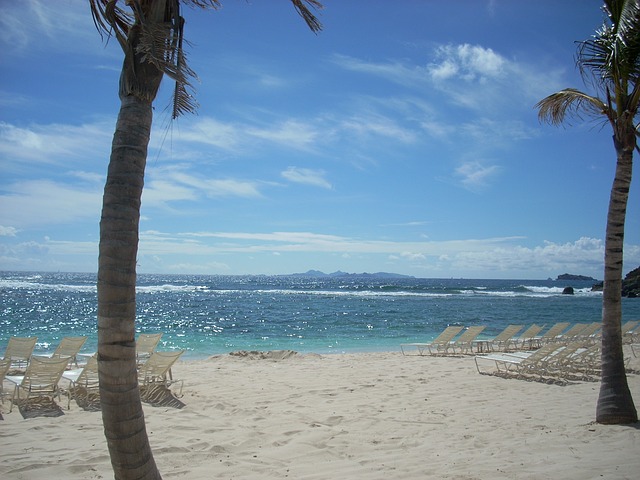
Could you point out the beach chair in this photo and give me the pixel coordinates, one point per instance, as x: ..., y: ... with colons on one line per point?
x: 520, y: 363
x: 40, y: 379
x: 155, y: 373
x: 590, y: 332
x: 465, y: 341
x: 69, y: 347
x: 501, y: 341
x: 5, y: 363
x: 83, y: 385
x: 441, y: 343
x: 552, y: 334
x: 630, y: 331
x: 526, y: 338
x: 20, y: 349
x: 572, y: 334
x: 145, y: 345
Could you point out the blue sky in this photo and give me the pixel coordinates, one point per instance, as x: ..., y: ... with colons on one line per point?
x: 402, y: 138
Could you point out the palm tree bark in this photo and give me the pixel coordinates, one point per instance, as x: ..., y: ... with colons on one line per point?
x: 122, y: 414
x: 615, y: 403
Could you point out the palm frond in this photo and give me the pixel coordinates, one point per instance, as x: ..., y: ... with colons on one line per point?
x: 311, y: 20
x: 569, y: 102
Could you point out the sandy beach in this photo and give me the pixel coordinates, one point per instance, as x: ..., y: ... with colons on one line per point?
x: 352, y: 416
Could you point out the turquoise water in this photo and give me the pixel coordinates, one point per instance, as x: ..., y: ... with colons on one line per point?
x: 208, y: 315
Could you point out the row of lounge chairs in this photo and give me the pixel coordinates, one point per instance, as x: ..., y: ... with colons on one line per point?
x: 44, y: 374
x: 514, y: 337
x: 558, y: 362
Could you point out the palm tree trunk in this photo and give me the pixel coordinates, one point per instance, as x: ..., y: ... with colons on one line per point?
x: 122, y: 413
x: 615, y: 403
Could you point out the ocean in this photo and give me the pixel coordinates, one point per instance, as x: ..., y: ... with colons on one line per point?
x: 207, y: 315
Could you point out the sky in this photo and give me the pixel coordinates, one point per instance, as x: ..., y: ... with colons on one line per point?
x: 401, y: 138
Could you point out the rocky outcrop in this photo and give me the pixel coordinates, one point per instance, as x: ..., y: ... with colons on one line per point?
x: 630, y: 284
x: 568, y: 291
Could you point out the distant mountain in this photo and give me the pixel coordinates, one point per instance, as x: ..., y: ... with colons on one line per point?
x: 340, y: 274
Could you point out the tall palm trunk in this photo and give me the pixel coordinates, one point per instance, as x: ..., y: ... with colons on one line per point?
x: 122, y: 413
x: 615, y: 403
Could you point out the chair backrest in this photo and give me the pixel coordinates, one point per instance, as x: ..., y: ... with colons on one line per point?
x: 147, y: 343
x: 69, y: 347
x: 508, y: 333
x: 5, y: 363
x: 470, y: 334
x: 43, y: 374
x: 158, y: 365
x: 88, y: 378
x: 629, y: 326
x: 530, y: 332
x: 20, y: 349
x: 555, y: 330
x: 447, y: 335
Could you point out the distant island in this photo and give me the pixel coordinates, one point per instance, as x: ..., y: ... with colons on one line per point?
x: 568, y: 276
x: 317, y: 273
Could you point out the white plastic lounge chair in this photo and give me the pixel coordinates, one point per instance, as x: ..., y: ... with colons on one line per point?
x: 465, y: 341
x: 504, y: 338
x: 40, y: 380
x: 145, y: 345
x: 83, y: 382
x: 20, y: 349
x: 156, y: 372
x: 441, y: 343
x: 69, y: 347
x: 520, y: 363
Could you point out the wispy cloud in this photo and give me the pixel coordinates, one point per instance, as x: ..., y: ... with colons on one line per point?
x: 306, y: 176
x: 475, y: 174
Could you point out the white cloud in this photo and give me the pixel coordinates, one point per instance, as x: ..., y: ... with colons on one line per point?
x: 306, y: 176
x: 474, y: 174
x: 8, y: 231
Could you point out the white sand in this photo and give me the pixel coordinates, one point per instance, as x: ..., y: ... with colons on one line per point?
x: 356, y: 416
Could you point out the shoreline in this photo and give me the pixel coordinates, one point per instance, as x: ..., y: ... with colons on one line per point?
x: 375, y: 415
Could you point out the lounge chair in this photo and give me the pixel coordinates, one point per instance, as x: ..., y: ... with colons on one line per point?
x: 521, y: 363
x: 5, y: 363
x: 465, y: 341
x: 441, y: 343
x: 526, y: 338
x: 20, y: 349
x: 501, y: 341
x: 572, y: 334
x: 40, y: 379
x: 553, y: 333
x: 83, y: 383
x: 630, y: 331
x: 69, y: 347
x: 155, y: 373
x: 145, y: 345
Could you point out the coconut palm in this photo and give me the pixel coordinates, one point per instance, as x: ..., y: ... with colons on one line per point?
x: 612, y: 58
x: 150, y: 33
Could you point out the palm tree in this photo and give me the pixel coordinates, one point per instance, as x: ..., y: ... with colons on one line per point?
x: 612, y: 56
x: 150, y: 32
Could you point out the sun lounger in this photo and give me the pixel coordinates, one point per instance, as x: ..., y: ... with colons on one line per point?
x: 69, y: 347
x: 519, y: 363
x: 146, y: 344
x: 440, y: 344
x: 20, y: 349
x: 526, y: 339
x: 156, y: 373
x: 552, y: 334
x: 501, y: 341
x: 40, y: 379
x: 466, y: 340
x: 5, y: 363
x: 83, y: 384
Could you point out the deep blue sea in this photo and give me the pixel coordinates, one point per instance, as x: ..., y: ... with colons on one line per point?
x: 208, y: 315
